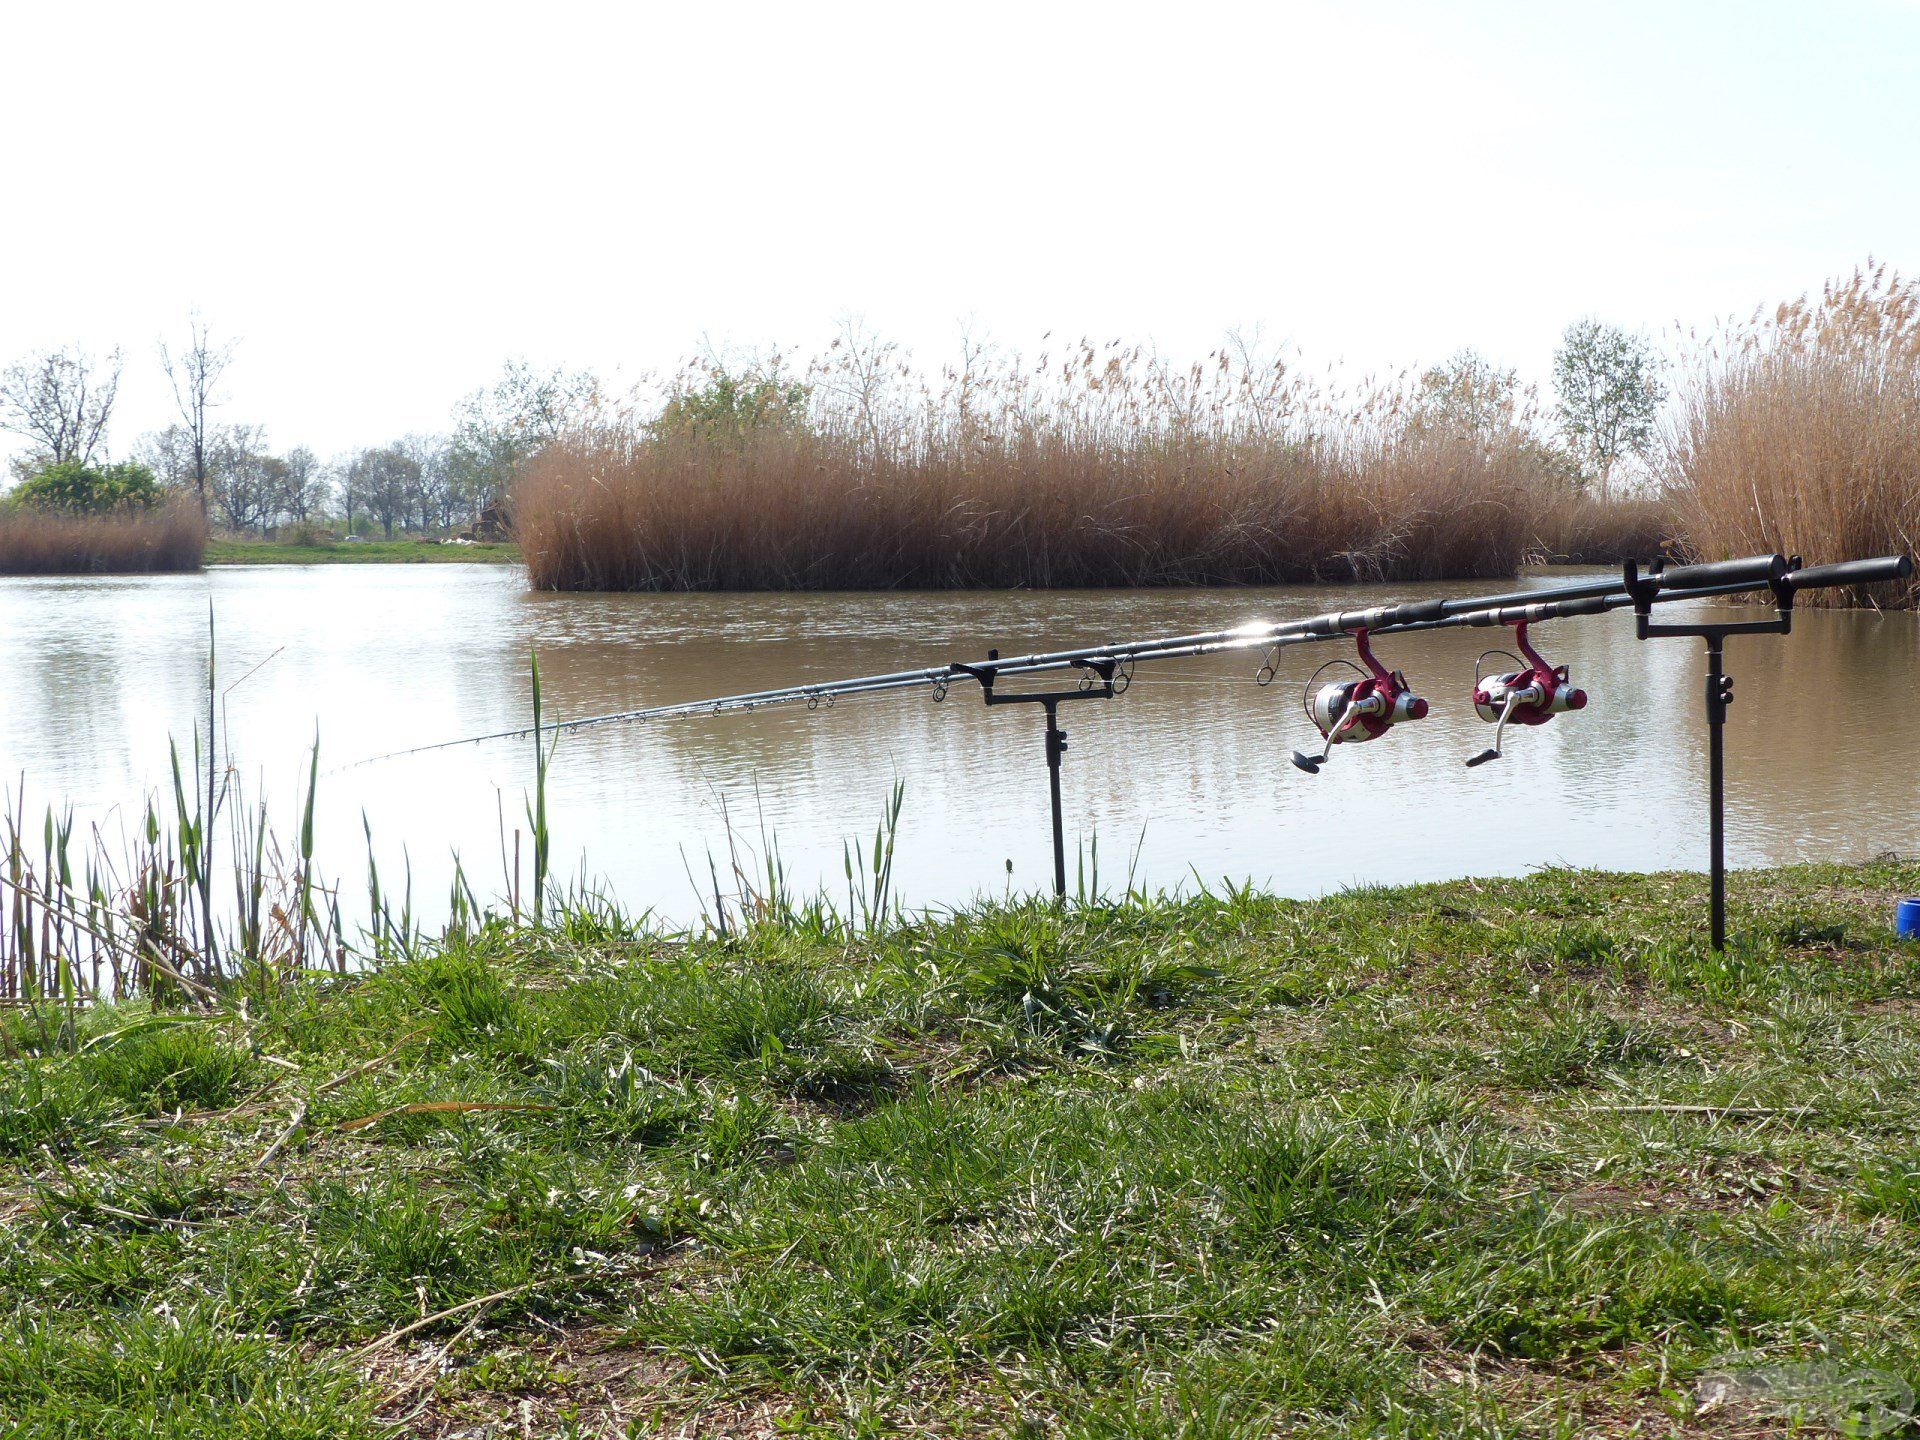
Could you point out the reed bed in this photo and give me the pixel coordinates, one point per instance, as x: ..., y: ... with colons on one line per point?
x: 35, y: 542
x: 1574, y: 528
x: 1800, y: 431
x: 1107, y: 469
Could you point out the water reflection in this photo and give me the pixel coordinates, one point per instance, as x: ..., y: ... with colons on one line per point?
x: 1188, y: 768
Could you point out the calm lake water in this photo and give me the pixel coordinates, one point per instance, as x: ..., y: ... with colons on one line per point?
x: 1184, y: 776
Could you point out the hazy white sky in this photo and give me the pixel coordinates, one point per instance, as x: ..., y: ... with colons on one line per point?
x: 382, y: 201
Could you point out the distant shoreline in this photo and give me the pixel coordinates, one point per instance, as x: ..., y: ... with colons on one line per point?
x: 357, y: 552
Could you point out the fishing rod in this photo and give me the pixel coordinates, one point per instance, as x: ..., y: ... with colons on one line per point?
x: 1684, y: 582
x: 1342, y: 710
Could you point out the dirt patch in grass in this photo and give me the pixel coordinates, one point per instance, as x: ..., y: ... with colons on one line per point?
x: 488, y: 1384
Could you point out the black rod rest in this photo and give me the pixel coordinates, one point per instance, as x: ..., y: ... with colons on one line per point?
x: 1101, y: 674
x: 1785, y: 577
x: 1719, y: 693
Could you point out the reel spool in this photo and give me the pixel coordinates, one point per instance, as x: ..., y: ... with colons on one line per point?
x: 1363, y: 708
x: 1530, y: 695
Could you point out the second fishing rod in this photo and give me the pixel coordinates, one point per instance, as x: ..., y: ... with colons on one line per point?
x: 1113, y: 662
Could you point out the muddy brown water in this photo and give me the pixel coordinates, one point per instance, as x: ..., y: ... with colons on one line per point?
x: 1182, y: 779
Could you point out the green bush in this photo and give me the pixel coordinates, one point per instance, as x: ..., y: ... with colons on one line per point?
x: 78, y: 488
x: 731, y: 406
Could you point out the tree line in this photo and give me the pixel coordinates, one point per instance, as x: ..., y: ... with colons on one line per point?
x: 1607, y: 394
x: 61, y: 402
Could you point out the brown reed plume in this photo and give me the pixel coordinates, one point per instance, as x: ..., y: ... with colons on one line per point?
x: 1105, y: 467
x: 1800, y: 431
x: 36, y: 542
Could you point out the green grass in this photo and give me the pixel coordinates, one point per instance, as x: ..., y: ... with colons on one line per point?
x: 358, y: 552
x: 1496, y: 1158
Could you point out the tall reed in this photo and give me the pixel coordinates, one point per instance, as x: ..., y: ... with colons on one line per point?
x: 1800, y: 431
x: 1106, y: 467
x: 1575, y: 528
x: 157, y: 913
x: 103, y: 920
x: 34, y: 542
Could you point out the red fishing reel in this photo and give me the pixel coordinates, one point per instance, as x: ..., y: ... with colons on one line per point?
x: 1363, y: 708
x: 1530, y: 695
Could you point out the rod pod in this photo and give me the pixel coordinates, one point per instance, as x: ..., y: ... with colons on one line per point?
x: 1785, y: 577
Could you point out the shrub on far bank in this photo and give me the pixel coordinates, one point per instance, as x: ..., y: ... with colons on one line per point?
x: 74, y: 518
x: 74, y: 487
x: 1801, y: 432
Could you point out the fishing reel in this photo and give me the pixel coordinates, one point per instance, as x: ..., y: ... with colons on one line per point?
x: 1360, y: 709
x: 1530, y: 695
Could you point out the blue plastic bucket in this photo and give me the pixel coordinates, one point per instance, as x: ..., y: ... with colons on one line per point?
x: 1906, y: 919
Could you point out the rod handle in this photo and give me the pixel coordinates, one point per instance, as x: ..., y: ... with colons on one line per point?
x: 1753, y: 569
x: 1851, y: 572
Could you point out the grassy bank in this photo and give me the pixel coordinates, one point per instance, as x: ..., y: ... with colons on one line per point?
x: 1488, y: 1158
x: 33, y: 542
x: 230, y: 551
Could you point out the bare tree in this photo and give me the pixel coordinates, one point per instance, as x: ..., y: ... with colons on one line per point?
x: 169, y: 454
x: 386, y: 480
x: 432, y: 489
x: 245, y: 479
x: 351, y: 480
x: 306, y: 485
x: 61, y: 400
x: 858, y: 376
x: 194, y: 373
x: 1470, y: 395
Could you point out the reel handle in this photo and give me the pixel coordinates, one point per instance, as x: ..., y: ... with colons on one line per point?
x: 1312, y: 763
x: 1493, y: 752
